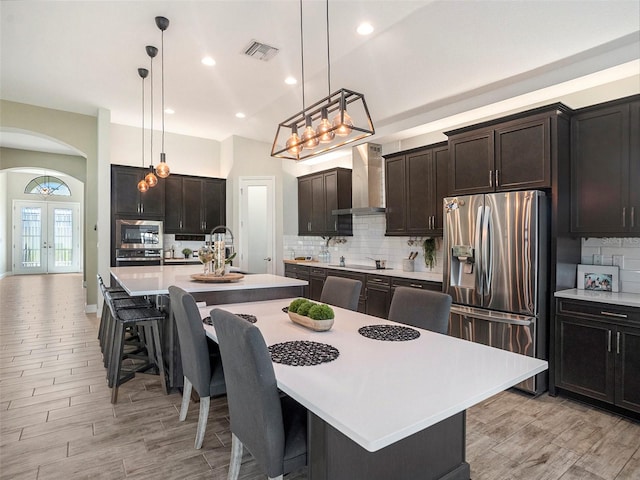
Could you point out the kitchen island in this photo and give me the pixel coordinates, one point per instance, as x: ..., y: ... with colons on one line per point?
x: 154, y: 281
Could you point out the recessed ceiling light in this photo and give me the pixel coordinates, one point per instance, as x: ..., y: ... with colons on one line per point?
x: 290, y: 81
x: 208, y: 61
x: 365, y: 28
x: 240, y: 115
x: 169, y: 111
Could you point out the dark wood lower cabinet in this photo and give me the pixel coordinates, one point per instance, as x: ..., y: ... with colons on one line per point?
x: 317, y: 277
x: 598, y: 352
x: 378, y: 296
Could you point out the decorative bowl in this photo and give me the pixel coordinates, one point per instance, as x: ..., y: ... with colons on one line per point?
x: 316, y: 325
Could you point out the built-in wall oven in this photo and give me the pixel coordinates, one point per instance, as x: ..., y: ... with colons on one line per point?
x: 138, y: 242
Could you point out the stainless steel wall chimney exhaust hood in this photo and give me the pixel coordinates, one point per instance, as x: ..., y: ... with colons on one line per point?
x: 368, y: 185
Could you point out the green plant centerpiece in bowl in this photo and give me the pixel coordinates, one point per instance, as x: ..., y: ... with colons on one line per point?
x: 316, y: 316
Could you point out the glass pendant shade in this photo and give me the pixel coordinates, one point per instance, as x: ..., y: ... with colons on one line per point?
x: 324, y: 132
x: 294, y: 144
x: 309, y: 137
x: 162, y: 169
x: 142, y: 186
x: 151, y: 178
x: 343, y: 126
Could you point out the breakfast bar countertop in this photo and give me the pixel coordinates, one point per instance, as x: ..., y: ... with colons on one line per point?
x: 155, y: 280
x: 614, y: 298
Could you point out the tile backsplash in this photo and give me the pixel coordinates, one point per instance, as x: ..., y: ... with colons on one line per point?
x: 368, y: 242
x: 624, y: 252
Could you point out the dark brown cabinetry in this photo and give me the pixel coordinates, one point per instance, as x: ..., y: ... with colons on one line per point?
x: 605, y: 169
x: 317, y: 276
x: 301, y: 272
x: 378, y: 295
x: 127, y: 201
x: 598, y: 352
x: 415, y: 185
x: 514, y: 153
x: 318, y: 195
x: 194, y: 204
x: 422, y: 284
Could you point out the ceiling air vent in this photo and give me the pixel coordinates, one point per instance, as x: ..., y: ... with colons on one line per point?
x: 261, y: 51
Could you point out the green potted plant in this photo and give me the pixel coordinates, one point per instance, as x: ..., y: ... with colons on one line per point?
x: 429, y: 250
x: 316, y: 316
x: 187, y: 252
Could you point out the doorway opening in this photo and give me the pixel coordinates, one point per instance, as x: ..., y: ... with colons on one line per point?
x: 257, y: 224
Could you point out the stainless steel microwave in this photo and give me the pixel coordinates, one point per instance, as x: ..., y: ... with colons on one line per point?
x: 139, y: 234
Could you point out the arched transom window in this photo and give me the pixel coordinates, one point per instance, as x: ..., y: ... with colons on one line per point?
x: 46, y: 186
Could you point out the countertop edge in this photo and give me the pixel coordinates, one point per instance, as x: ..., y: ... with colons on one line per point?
x: 613, y: 298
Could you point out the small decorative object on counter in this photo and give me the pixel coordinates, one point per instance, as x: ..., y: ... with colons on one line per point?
x: 429, y: 248
x: 187, y: 252
x: 205, y: 255
x: 342, y: 264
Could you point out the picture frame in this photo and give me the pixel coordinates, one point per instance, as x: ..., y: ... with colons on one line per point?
x: 598, y: 278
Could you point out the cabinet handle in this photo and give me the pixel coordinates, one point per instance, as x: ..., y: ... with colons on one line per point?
x: 611, y: 314
x: 618, y: 343
x: 335, y: 225
x: 633, y: 217
x: 490, y: 178
x: 308, y: 226
x: 180, y: 224
x: 497, y: 178
x: 624, y: 217
x: 608, y: 340
x: 376, y: 280
x: 415, y: 285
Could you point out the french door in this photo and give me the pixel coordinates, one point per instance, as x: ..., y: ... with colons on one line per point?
x: 46, y: 237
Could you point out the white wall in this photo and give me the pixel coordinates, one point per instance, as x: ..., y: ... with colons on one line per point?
x: 4, y: 242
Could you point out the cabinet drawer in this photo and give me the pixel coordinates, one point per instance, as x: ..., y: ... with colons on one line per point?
x: 423, y: 284
x: 318, y: 272
x: 602, y: 311
x: 379, y: 280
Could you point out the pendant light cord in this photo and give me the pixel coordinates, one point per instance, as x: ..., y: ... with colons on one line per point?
x: 328, y: 58
x: 151, y: 110
x: 302, y: 56
x: 162, y: 79
x: 143, y: 165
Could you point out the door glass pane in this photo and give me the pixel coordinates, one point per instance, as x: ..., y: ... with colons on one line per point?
x: 63, y: 237
x: 31, y: 236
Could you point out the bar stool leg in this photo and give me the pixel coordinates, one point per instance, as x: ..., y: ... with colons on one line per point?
x: 115, y: 364
x: 158, y: 355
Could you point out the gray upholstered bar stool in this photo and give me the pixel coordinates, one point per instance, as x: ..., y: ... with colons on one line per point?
x: 341, y: 292
x: 421, y: 308
x: 272, y: 427
x: 145, y: 359
x: 201, y: 363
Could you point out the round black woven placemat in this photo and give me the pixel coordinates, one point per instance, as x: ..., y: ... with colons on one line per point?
x: 302, y: 353
x: 249, y: 318
x: 389, y: 333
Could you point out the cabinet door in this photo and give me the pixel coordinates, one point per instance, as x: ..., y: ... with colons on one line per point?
x: 441, y: 177
x: 420, y: 194
x: 627, y: 368
x: 634, y: 168
x: 173, y: 204
x: 523, y: 155
x: 214, y: 203
x: 318, y: 210
x: 125, y: 197
x: 471, y: 163
x: 395, y: 195
x: 330, y: 203
x: 305, y: 200
x: 585, y: 359
x: 315, y: 287
x: 600, y: 170
x: 192, y: 199
x: 152, y: 201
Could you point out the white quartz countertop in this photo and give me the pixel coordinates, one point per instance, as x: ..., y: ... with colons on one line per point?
x: 181, y: 260
x: 389, y: 272
x: 155, y: 280
x: 614, y: 298
x: 379, y: 392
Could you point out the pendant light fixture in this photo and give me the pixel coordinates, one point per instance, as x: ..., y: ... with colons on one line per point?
x: 162, y: 170
x: 151, y: 178
x: 142, y: 184
x: 342, y: 130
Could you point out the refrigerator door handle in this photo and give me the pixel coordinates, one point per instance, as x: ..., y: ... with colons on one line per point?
x: 487, y: 268
x: 478, y: 243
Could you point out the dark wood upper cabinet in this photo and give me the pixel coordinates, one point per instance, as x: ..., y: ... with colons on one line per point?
x: 194, y: 205
x: 127, y: 201
x: 605, y: 169
x: 513, y: 153
x: 416, y: 182
x: 319, y: 194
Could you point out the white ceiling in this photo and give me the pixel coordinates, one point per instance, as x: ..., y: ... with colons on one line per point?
x: 426, y: 60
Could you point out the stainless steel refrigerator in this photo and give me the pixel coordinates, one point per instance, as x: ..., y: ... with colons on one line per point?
x: 495, y: 269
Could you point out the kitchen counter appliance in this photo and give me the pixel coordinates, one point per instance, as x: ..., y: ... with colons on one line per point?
x: 138, y: 242
x: 496, y: 272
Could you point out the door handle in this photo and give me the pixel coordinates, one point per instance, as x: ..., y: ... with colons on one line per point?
x: 268, y: 259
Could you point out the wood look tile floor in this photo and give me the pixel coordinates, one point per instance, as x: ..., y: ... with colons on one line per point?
x: 57, y: 422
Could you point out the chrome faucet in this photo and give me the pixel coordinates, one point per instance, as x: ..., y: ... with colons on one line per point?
x: 225, y: 228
